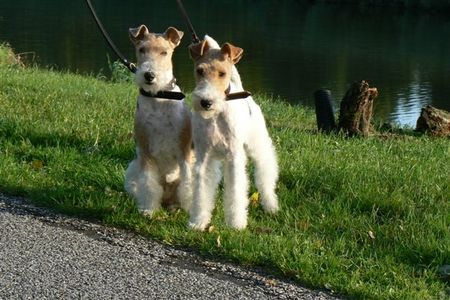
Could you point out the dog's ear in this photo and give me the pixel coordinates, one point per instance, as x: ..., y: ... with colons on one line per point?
x: 235, y: 53
x: 137, y: 34
x: 198, y: 49
x: 174, y: 35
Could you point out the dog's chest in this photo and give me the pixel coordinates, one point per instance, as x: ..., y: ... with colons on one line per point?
x: 160, y: 123
x: 218, y: 134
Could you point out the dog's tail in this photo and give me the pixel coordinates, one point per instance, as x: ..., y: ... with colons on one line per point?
x: 236, y: 79
x: 211, y: 42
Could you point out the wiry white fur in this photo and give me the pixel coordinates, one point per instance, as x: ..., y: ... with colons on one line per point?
x: 226, y: 134
x: 162, y: 76
x: 163, y: 121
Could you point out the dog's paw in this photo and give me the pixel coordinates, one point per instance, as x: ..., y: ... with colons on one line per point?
x: 238, y: 224
x: 270, y: 204
x: 271, y: 208
x: 146, y: 212
x: 200, y: 225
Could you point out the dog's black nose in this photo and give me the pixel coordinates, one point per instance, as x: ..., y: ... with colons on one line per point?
x: 206, y: 104
x: 149, y: 76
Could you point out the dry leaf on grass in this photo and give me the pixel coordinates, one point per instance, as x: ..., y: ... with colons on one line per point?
x: 254, y: 199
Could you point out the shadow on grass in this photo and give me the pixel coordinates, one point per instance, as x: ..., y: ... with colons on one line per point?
x: 121, y: 149
x: 88, y: 204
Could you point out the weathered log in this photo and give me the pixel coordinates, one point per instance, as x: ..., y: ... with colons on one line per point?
x: 434, y: 121
x: 356, y: 109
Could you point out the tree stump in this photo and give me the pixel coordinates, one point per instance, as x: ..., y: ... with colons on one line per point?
x: 356, y: 109
x: 434, y: 121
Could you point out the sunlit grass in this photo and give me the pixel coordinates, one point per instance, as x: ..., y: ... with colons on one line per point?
x: 368, y: 218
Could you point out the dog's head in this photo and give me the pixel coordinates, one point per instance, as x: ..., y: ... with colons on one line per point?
x: 213, y: 71
x: 154, y: 56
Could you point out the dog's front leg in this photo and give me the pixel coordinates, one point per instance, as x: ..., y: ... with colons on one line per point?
x: 184, y: 191
x: 236, y: 187
x: 150, y: 191
x: 206, y: 177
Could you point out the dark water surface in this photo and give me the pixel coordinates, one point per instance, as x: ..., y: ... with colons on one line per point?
x: 291, y: 48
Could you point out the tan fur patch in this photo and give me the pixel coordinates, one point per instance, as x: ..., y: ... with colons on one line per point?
x: 169, y: 199
x: 215, y: 67
x: 142, y: 142
x: 157, y: 48
x: 186, y: 139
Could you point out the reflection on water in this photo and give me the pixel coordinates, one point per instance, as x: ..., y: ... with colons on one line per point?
x: 291, y: 48
x: 410, y: 102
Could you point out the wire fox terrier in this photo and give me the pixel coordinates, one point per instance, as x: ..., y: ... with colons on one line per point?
x: 161, y: 171
x: 223, y: 132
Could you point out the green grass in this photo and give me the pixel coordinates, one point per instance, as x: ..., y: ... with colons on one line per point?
x: 366, y: 218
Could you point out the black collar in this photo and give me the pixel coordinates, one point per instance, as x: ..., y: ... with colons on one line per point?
x: 165, y: 94
x: 237, y: 95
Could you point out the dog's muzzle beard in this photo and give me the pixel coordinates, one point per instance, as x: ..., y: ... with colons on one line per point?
x: 207, y: 104
x: 207, y: 100
x: 152, y: 79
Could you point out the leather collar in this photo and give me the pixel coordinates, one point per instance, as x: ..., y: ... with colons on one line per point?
x: 165, y: 94
x: 237, y: 95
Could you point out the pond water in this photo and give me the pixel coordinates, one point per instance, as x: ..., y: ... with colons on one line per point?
x: 291, y: 48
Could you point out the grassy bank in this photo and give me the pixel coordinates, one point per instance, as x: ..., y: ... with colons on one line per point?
x: 368, y: 218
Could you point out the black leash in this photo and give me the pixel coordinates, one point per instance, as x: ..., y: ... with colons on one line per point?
x: 195, y: 40
x: 194, y: 36
x: 122, y: 58
x: 161, y: 94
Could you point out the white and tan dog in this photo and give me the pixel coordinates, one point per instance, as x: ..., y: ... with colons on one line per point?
x: 161, y: 172
x: 224, y: 132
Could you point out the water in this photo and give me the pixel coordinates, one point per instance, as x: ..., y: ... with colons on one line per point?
x: 290, y: 48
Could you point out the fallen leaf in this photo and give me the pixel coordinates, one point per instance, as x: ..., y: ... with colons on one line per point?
x: 254, y: 199
x: 372, y: 235
x: 211, y: 228
x: 219, y: 244
x: 271, y: 282
x: 37, y: 164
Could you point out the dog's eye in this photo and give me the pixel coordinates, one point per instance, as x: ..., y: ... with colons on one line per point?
x: 222, y: 74
x: 200, y: 72
x: 142, y: 50
x: 163, y: 53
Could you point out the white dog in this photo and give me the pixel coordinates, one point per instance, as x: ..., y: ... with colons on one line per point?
x: 161, y: 172
x: 223, y: 131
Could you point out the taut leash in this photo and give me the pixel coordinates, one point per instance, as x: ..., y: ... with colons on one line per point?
x: 195, y: 40
x: 194, y: 36
x: 122, y: 58
x: 132, y: 67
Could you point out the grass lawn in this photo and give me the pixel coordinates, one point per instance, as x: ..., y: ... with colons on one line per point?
x: 365, y: 218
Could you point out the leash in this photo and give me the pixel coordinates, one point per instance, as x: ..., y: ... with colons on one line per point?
x: 195, y: 40
x: 122, y: 58
x: 194, y: 36
x: 132, y: 67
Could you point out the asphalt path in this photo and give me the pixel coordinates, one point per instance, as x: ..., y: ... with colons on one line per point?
x: 44, y: 255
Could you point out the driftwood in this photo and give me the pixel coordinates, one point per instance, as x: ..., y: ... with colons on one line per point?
x: 356, y: 109
x: 434, y: 121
